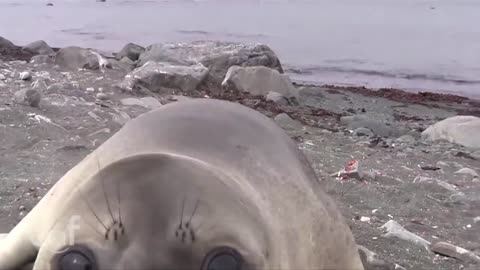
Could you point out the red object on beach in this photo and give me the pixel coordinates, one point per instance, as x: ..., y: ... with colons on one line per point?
x: 350, y: 165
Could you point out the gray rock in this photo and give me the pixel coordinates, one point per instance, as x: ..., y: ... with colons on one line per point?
x: 258, y: 81
x: 2, y: 77
x: 39, y: 47
x: 467, y: 171
x: 461, y: 129
x: 164, y: 77
x: 25, y: 75
x: 76, y: 57
x: 377, y: 127
x: 453, y: 251
x: 284, y: 121
x: 28, y: 97
x: 126, y: 60
x: 102, y: 96
x: 120, y: 118
x: 217, y: 56
x: 130, y: 51
x: 121, y: 65
x: 363, y: 132
x: 277, y: 98
x: 371, y: 260
x: 146, y: 102
x: 443, y: 184
x: 5, y: 43
x: 43, y: 59
x: 395, y: 230
x: 407, y: 139
x: 3, y: 85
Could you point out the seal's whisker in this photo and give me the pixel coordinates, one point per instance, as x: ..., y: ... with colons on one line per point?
x: 181, y: 214
x: 193, y: 214
x: 91, y: 209
x: 119, y: 208
x: 103, y: 189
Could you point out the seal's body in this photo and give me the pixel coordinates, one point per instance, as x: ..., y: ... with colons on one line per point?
x: 195, y: 184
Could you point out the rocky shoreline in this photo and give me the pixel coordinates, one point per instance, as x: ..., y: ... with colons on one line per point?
x: 402, y: 166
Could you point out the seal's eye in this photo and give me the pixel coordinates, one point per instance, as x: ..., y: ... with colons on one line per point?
x: 223, y: 258
x: 76, y: 258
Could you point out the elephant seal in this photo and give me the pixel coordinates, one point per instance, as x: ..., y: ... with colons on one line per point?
x: 198, y: 184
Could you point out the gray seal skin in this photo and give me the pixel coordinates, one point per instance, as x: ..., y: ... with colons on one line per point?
x: 195, y: 184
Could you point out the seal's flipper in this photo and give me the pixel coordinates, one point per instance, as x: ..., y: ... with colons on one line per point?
x: 16, y: 252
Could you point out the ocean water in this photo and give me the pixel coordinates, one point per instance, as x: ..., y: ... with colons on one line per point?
x: 412, y: 44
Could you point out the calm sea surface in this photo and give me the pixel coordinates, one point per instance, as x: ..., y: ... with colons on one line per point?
x: 413, y: 44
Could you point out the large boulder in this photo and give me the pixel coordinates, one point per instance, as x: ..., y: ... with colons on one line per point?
x: 164, y: 77
x: 75, y: 57
x: 461, y: 129
x: 131, y: 51
x: 39, y: 47
x: 217, y: 56
x: 258, y: 81
x: 5, y: 43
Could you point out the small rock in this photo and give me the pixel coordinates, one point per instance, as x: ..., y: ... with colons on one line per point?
x: 27, y: 96
x: 277, y: 98
x: 2, y: 85
x: 456, y: 252
x: 49, y: 4
x: 22, y: 208
x: 2, y: 77
x: 476, y: 219
x: 102, y: 96
x: 408, y: 139
x: 25, y: 76
x: 121, y: 118
x: 370, y: 260
x: 286, y: 122
x: 361, y: 131
x: 468, y: 171
x: 395, y: 230
x: 90, y: 89
x: 42, y: 59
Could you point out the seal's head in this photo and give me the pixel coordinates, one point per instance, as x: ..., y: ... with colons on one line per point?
x: 158, y: 211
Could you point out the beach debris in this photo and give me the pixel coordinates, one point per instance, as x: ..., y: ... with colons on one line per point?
x: 350, y: 170
x: 41, y: 118
x: 25, y: 76
x: 429, y: 167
